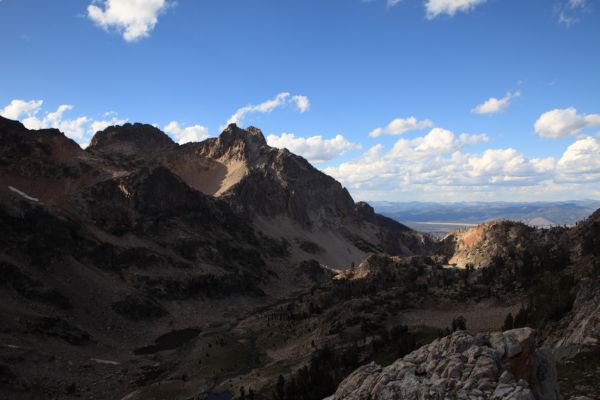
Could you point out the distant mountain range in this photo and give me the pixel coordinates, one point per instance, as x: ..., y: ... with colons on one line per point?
x: 439, y: 218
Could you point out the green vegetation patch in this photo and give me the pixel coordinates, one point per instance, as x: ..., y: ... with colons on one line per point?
x: 219, y: 356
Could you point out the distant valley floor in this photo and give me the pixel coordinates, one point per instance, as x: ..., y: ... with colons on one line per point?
x: 442, y: 218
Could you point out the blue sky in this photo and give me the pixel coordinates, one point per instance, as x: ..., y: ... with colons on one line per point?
x: 517, y: 79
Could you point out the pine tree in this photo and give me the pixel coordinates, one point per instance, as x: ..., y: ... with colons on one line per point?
x: 279, y: 389
x: 459, y: 324
x: 522, y: 318
x: 509, y: 323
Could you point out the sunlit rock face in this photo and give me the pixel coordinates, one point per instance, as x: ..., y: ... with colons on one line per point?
x: 501, y: 365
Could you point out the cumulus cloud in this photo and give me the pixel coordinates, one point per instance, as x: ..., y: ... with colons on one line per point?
x: 100, y: 125
x: 434, y: 8
x: 543, y: 165
x: 466, y: 139
x: 134, y: 19
x: 580, y: 162
x: 429, y: 158
x: 283, y: 99
x: 315, y: 149
x: 564, y: 122
x: 80, y: 128
x: 401, y: 125
x: 494, y: 105
x: 193, y: 133
x: 74, y: 128
x: 16, y: 108
x: 302, y: 102
x: 437, y: 142
x: 438, y: 166
x: 498, y: 164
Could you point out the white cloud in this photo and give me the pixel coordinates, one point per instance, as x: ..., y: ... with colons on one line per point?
x: 423, y: 159
x: 400, y: 126
x: 435, y: 8
x: 302, y: 102
x: 73, y: 128
x: 315, y: 149
x: 497, y: 164
x: 193, y: 133
x: 392, y: 3
x: 16, y: 108
x: 543, y: 165
x: 559, y: 123
x: 97, y: 126
x: 283, y: 99
x: 494, y: 105
x: 79, y: 129
x: 581, y: 161
x: 135, y: 19
x: 437, y: 142
x: 436, y: 167
x: 466, y: 139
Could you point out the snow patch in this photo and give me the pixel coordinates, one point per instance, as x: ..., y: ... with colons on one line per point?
x: 100, y: 361
x: 23, y: 194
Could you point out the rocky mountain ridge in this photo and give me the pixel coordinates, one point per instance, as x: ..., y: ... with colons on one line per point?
x: 112, y: 246
x: 228, y: 262
x: 130, y: 140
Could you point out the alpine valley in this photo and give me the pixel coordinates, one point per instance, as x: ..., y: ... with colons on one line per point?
x: 143, y: 269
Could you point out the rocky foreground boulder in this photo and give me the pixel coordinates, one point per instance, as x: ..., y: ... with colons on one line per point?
x: 500, y: 365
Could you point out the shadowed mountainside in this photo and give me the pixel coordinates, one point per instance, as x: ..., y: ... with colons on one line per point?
x: 150, y: 270
x: 111, y: 246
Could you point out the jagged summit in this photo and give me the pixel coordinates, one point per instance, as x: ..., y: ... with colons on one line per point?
x: 130, y: 139
x: 281, y: 193
x: 249, y: 135
x: 235, y: 143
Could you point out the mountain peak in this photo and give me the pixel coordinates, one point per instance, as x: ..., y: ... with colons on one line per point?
x: 130, y: 139
x: 233, y: 133
x: 235, y: 143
